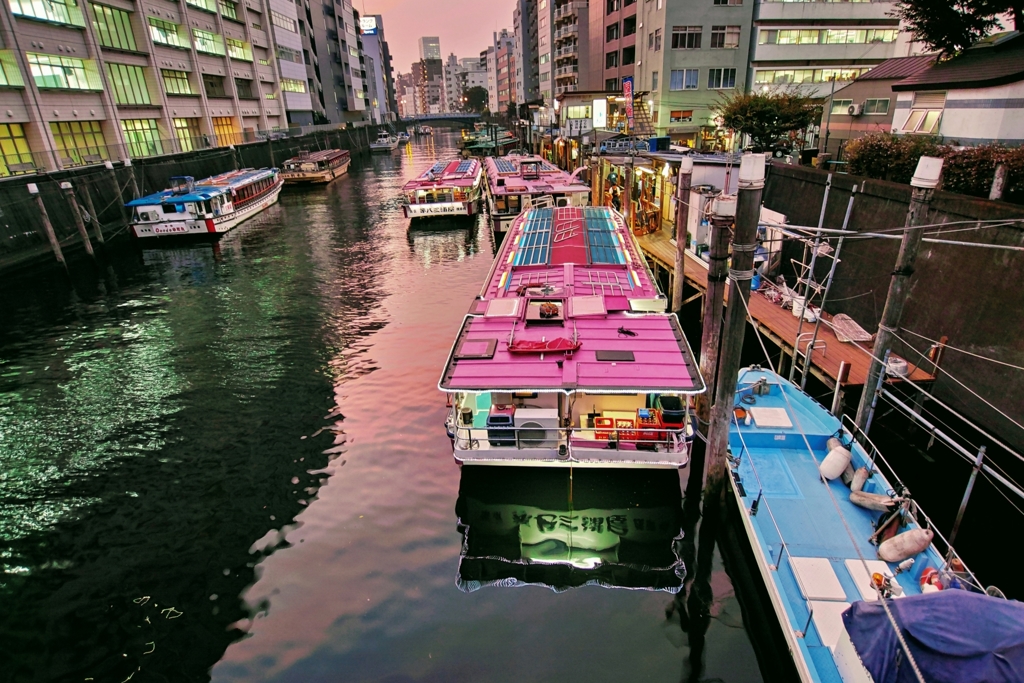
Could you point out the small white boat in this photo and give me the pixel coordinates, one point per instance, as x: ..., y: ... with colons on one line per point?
x: 403, y: 136
x: 316, y: 167
x: 208, y: 207
x: 451, y: 187
x: 386, y: 142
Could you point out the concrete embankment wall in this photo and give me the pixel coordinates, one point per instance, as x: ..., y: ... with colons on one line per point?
x: 22, y: 237
x: 972, y: 295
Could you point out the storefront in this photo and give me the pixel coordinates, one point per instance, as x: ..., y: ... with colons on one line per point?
x: 632, y: 186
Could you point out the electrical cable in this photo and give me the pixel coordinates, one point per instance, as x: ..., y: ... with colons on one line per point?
x: 967, y: 353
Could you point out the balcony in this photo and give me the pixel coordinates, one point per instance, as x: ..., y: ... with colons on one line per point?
x: 569, y: 51
x: 566, y: 32
x: 570, y: 9
x: 567, y: 72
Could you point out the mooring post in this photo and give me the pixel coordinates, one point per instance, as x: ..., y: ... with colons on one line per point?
x: 682, y: 218
x: 748, y: 211
x: 97, y: 229
x: 924, y: 182
x: 33, y: 190
x: 117, y: 187
x: 837, y: 395
x: 135, y: 186
x: 69, y: 192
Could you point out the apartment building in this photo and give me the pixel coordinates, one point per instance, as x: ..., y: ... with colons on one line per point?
x: 688, y: 56
x: 811, y: 44
x: 429, y: 84
x: 380, y: 87
x: 331, y: 52
x: 505, y: 65
x: 405, y: 90
x: 545, y: 46
x: 612, y: 30
x: 527, y: 59
x: 459, y: 76
x: 86, y: 82
x: 570, y: 23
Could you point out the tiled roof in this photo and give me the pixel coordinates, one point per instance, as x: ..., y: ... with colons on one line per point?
x: 898, y: 68
x: 983, y: 66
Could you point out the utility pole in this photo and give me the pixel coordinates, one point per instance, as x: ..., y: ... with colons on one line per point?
x: 682, y: 218
x: 924, y: 182
x: 748, y: 210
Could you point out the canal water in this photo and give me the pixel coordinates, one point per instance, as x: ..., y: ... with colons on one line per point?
x: 228, y: 461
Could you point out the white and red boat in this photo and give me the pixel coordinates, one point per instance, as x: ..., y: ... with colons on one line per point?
x: 516, y: 183
x: 451, y: 187
x: 208, y: 207
x: 568, y: 357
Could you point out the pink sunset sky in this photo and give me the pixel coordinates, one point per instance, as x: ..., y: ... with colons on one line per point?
x: 465, y: 27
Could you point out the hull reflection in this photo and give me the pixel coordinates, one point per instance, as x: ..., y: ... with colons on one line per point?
x: 563, y: 529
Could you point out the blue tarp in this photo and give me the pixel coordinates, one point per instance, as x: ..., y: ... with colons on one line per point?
x: 956, y: 636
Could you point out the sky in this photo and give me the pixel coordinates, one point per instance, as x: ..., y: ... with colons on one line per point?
x: 465, y: 27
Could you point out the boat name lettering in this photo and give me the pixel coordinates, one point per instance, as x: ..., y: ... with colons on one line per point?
x: 433, y: 209
x: 780, y: 437
x: 547, y: 522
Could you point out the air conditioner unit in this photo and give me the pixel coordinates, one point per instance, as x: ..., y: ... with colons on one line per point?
x: 563, y: 201
x: 855, y: 109
x: 537, y: 427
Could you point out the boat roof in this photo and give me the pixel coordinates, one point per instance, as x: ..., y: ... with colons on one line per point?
x: 447, y: 173
x: 584, y: 261
x: 505, y: 176
x: 320, y: 155
x: 207, y: 188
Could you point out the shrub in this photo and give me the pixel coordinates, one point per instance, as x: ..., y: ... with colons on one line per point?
x: 889, y: 157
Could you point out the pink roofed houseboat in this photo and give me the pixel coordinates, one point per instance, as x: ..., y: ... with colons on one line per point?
x: 448, y: 188
x: 516, y: 183
x: 567, y: 356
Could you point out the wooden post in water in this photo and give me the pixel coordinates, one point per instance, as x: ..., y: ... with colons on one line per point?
x: 33, y: 190
x: 97, y: 229
x: 682, y: 218
x: 924, y: 182
x: 135, y: 186
x: 748, y: 210
x: 69, y: 192
x: 117, y: 188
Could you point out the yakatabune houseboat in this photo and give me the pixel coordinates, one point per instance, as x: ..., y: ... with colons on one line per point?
x: 316, y: 167
x: 516, y: 183
x: 448, y: 188
x: 208, y: 207
x: 567, y: 355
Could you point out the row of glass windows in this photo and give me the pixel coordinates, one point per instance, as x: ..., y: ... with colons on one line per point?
x: 871, y: 106
x: 689, y: 79
x: 51, y: 71
x: 57, y: 11
x: 691, y: 38
x: 783, y: 76
x: 828, y: 36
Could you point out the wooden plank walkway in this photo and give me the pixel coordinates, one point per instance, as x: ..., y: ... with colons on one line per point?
x: 776, y: 323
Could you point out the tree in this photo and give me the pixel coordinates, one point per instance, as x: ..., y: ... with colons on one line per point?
x: 476, y: 98
x: 951, y: 27
x: 766, y: 116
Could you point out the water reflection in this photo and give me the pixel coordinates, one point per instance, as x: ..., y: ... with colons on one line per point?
x: 564, y: 528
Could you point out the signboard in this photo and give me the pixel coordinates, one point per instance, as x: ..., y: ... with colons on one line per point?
x: 600, y: 113
x: 442, y: 209
x: 627, y: 94
x: 368, y: 26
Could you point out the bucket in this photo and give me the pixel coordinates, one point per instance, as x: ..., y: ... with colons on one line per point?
x: 798, y: 306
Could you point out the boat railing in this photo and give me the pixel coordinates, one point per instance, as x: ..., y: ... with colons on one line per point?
x: 665, y: 439
x: 472, y: 438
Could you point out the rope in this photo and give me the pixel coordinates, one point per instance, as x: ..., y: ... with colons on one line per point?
x: 842, y: 518
x: 966, y: 353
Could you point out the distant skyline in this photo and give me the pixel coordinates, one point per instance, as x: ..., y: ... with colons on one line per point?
x: 465, y: 27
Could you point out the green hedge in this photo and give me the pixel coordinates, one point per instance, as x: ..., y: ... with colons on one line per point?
x: 967, y: 170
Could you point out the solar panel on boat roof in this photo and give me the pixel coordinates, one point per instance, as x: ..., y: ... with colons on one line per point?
x: 438, y: 167
x: 505, y: 166
x: 464, y: 166
x: 601, y: 241
x: 534, y: 245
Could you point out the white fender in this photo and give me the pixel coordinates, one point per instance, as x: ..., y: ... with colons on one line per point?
x: 860, y: 477
x: 836, y: 461
x: 907, y: 544
x: 871, y: 501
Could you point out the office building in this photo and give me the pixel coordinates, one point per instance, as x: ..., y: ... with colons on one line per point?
x: 527, y: 59
x: 687, y: 57
x: 331, y: 51
x: 430, y: 47
x: 380, y: 86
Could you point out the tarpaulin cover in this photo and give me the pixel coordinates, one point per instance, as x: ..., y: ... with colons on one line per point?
x: 955, y: 636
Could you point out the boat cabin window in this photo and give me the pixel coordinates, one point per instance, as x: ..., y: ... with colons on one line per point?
x: 499, y: 203
x: 513, y: 203
x: 530, y: 170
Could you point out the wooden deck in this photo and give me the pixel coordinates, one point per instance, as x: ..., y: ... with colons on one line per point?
x: 776, y: 323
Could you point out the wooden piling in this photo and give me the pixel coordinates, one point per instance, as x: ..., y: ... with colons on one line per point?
x: 33, y: 190
x: 97, y: 229
x: 69, y: 192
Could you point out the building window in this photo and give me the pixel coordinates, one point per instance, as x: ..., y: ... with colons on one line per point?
x: 282, y: 21
x: 176, y: 82
x: 129, y: 83
x: 239, y: 50
x: 165, y: 33
x: 51, y: 71
x: 611, y: 6
x: 243, y: 87
x: 228, y: 9
x: 628, y: 55
x: 784, y: 76
x: 142, y: 137
x: 876, y: 106
x: 721, y: 79
x: 256, y: 25
x: 680, y: 116
x: 728, y: 2
x: 840, y: 106
x: 113, y: 28
x: 611, y: 85
x: 264, y: 62
x: 273, y: 95
x: 78, y: 142
x: 214, y: 86
x: 611, y: 60
x: 612, y: 32
x: 683, y: 79
x: 289, y: 55
x: 292, y: 85
x: 857, y: 36
x: 629, y: 26
x: 57, y: 11
x: 224, y: 129
x: 188, y: 135
x: 210, y: 43
x: 725, y: 36
x: 657, y: 40
x: 686, y: 37
x: 13, y: 147
x: 654, y: 80
x: 208, y: 5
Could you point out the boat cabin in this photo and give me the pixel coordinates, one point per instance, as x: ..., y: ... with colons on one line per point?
x: 516, y: 183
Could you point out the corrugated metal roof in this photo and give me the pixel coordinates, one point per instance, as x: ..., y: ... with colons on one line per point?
x: 898, y: 68
x: 984, y: 66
